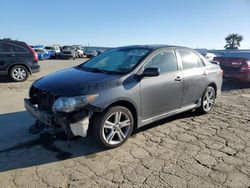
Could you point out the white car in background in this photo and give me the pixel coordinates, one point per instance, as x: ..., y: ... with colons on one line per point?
x: 57, y: 50
x: 210, y: 56
x: 80, y: 51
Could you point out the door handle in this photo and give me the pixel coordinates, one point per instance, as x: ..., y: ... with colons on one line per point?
x: 10, y: 55
x: 205, y: 73
x: 178, y: 78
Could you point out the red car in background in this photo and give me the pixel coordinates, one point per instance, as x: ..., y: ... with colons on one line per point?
x: 235, y: 66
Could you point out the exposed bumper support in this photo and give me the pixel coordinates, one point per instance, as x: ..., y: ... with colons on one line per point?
x: 80, y: 128
x: 77, y: 122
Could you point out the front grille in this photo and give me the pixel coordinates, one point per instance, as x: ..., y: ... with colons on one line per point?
x: 66, y: 52
x: 44, y: 100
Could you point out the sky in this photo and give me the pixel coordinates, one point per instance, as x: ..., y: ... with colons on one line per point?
x: 111, y: 23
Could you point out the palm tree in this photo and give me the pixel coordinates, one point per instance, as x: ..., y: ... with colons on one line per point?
x: 233, y: 41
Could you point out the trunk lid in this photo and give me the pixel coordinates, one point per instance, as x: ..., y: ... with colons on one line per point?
x: 230, y: 64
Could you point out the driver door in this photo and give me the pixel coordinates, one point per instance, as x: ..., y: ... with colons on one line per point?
x: 163, y: 93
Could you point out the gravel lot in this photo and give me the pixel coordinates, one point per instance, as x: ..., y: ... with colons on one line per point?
x: 186, y: 150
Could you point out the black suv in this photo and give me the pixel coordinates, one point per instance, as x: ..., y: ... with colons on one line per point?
x: 17, y: 60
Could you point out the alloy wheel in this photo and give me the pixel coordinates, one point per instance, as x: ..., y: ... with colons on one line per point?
x: 19, y: 73
x: 116, y: 128
x: 208, y: 99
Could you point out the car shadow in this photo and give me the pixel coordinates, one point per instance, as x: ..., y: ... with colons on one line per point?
x: 187, y: 114
x: 6, y: 80
x: 229, y: 85
x: 20, y: 149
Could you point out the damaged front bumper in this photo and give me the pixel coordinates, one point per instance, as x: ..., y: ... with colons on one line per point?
x: 75, y: 122
x: 44, y: 117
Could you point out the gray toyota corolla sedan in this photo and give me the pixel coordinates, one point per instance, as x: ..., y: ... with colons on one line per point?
x: 123, y: 89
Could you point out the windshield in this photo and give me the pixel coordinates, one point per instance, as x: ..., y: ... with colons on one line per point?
x: 120, y: 60
x: 49, y: 48
x: 39, y: 50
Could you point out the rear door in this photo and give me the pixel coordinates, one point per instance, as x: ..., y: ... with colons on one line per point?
x: 6, y: 57
x: 194, y: 77
x: 20, y: 53
x: 163, y: 93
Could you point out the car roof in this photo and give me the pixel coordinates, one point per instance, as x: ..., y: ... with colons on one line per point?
x: 154, y: 46
x: 245, y: 55
x: 16, y: 42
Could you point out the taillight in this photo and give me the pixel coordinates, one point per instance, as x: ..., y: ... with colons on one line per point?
x: 221, y: 71
x: 34, y: 54
x: 245, y: 67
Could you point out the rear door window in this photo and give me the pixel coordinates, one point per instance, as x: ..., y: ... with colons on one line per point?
x: 189, y: 59
x: 18, y: 49
x: 4, y: 48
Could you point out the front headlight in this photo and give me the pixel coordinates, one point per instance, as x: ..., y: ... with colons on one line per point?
x: 69, y: 104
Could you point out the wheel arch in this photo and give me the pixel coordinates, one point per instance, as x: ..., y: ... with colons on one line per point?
x: 129, y: 105
x: 214, y: 86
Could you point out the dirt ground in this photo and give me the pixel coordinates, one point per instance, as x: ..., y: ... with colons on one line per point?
x: 186, y: 150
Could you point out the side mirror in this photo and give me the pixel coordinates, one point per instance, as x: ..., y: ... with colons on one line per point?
x: 151, y: 72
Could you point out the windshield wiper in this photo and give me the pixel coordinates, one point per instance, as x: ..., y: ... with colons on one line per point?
x: 100, y: 70
x: 95, y: 70
x: 85, y: 68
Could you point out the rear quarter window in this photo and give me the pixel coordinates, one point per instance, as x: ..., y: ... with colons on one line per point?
x: 1, y: 47
x: 200, y: 60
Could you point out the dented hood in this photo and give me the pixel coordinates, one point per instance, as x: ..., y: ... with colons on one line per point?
x: 75, y: 81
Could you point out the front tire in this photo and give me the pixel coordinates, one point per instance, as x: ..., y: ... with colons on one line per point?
x: 19, y: 73
x: 112, y: 127
x: 208, y: 100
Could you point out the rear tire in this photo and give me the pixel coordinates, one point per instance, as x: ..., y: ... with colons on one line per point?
x: 208, y: 100
x: 19, y: 73
x: 112, y: 127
